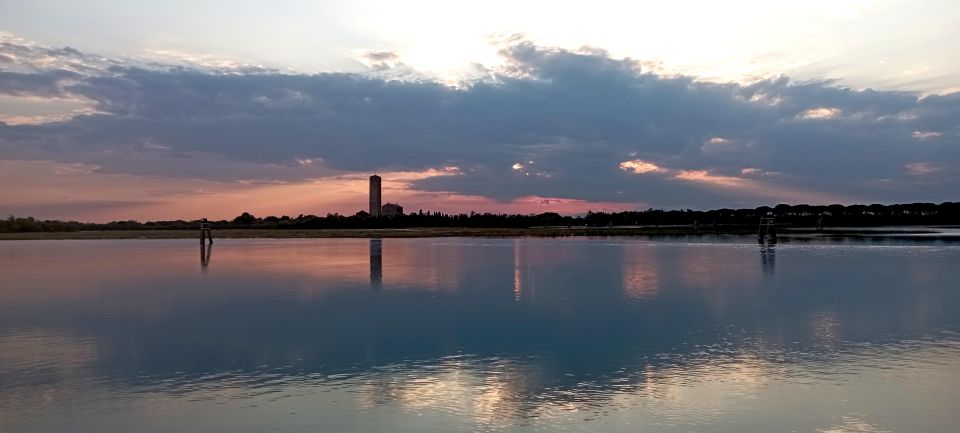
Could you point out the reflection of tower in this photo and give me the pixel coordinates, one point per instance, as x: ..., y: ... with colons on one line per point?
x: 375, y: 195
x: 376, y: 263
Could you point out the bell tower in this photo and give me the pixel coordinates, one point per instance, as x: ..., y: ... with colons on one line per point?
x: 375, y: 195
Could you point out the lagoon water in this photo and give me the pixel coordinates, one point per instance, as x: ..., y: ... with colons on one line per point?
x: 462, y: 335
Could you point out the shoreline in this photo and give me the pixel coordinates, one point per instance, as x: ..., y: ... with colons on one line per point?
x: 917, y: 233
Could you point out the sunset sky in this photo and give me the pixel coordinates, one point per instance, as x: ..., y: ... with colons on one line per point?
x: 115, y: 110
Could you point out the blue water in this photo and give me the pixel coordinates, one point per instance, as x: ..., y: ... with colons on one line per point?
x: 462, y: 335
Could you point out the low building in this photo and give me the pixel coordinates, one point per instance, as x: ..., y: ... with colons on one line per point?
x: 391, y: 209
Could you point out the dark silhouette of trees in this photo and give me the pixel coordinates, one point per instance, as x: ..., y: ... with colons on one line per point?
x: 246, y: 219
x: 800, y: 215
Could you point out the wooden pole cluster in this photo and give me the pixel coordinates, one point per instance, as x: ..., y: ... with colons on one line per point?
x: 205, y: 231
x: 767, y: 230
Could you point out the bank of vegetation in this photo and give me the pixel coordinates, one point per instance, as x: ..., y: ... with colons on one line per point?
x: 726, y: 220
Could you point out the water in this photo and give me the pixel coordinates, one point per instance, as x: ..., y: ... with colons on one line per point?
x: 462, y: 335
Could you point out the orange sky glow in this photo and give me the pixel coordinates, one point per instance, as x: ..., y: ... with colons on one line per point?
x: 79, y: 192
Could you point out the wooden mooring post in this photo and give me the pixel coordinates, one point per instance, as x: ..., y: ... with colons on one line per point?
x: 205, y: 231
x: 767, y: 229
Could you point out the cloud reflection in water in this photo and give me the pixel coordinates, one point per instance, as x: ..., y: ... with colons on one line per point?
x: 479, y: 334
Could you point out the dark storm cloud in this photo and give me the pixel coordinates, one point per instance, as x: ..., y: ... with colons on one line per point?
x: 568, y: 119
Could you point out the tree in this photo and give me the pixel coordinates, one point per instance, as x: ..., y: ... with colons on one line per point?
x: 245, y: 219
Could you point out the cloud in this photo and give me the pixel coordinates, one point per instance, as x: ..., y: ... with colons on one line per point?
x: 573, y: 125
x: 924, y: 135
x: 44, y: 84
x: 389, y: 66
x: 821, y: 113
x: 639, y: 167
x: 167, y: 58
x: 21, y: 55
x: 382, y: 56
x: 923, y: 168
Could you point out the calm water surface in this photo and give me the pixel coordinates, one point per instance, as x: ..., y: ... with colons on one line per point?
x: 462, y: 335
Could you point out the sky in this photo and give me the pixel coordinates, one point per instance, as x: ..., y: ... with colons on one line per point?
x: 117, y: 110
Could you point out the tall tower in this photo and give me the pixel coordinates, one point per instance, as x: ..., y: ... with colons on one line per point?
x: 375, y: 195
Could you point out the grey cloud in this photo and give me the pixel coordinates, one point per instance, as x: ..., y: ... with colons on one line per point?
x: 577, y: 115
x: 381, y: 56
x: 28, y: 57
x: 45, y: 84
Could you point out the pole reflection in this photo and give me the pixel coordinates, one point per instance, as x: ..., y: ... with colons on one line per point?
x: 768, y: 257
x: 205, y: 252
x: 517, y: 273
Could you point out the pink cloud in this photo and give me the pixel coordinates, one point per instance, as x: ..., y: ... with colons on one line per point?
x: 924, y: 135
x: 923, y: 168
x: 739, y: 185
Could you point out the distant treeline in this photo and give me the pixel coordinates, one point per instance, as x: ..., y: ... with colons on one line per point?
x: 786, y: 215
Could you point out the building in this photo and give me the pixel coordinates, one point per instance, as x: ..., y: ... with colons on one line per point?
x: 391, y: 209
x: 375, y: 196
x: 376, y: 210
